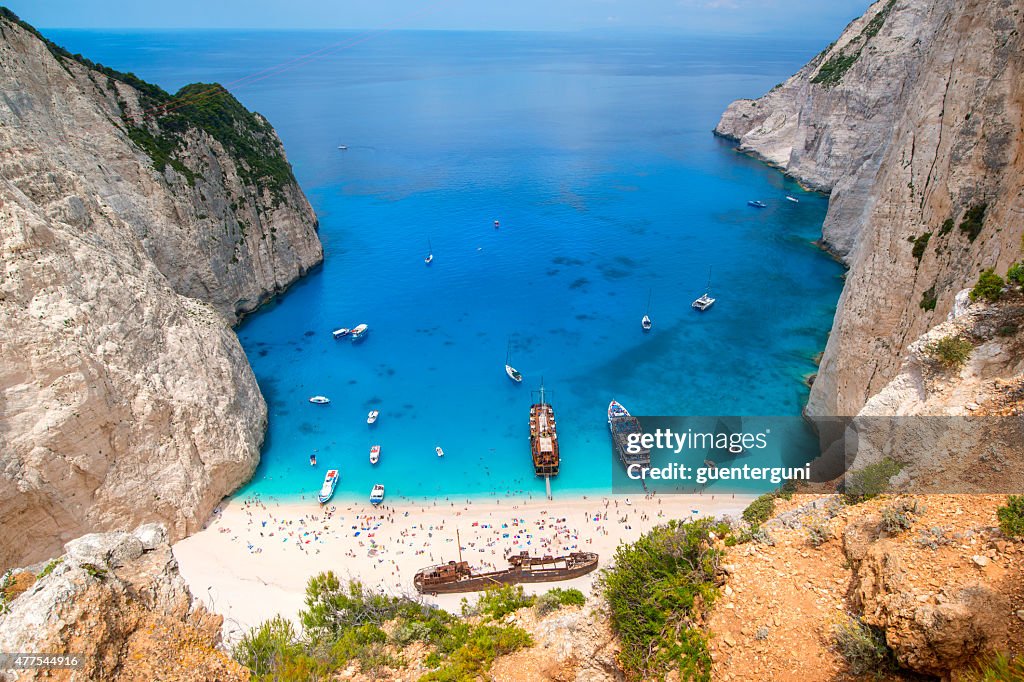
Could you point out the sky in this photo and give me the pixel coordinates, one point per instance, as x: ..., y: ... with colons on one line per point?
x: 808, y: 18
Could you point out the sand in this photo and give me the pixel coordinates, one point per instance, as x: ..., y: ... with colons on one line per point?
x: 254, y: 556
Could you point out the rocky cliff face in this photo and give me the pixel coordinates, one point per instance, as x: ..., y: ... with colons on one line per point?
x: 912, y: 120
x: 115, y: 599
x: 134, y: 229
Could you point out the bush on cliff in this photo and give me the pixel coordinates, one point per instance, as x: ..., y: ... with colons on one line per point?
x: 989, y: 286
x: 1016, y: 274
x: 760, y: 510
x: 658, y: 591
x: 1011, y: 517
x: 952, y: 352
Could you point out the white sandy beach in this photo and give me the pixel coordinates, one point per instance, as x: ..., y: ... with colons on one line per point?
x: 254, y: 557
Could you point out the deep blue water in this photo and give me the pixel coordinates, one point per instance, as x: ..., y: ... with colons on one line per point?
x: 594, y: 150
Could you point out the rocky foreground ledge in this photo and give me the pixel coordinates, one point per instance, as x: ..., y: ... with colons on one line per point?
x: 117, y: 600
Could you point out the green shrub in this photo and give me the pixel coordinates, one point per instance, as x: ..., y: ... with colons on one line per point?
x: 760, y: 510
x: 48, y: 568
x: 1016, y: 274
x: 928, y: 299
x: 920, y: 243
x: 989, y: 286
x: 900, y: 516
x: 973, y: 221
x: 818, y: 533
x: 272, y: 651
x: 947, y: 226
x: 999, y: 668
x: 1011, y: 517
x: 478, y: 647
x: 657, y: 590
x: 952, y: 352
x: 498, y: 602
x: 870, y: 481
x: 556, y: 598
x: 863, y: 647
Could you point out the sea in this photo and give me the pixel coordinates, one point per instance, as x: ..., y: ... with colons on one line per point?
x: 594, y: 152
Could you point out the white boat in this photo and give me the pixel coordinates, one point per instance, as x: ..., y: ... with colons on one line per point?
x: 372, y: 417
x: 319, y: 400
x: 430, y: 254
x: 511, y: 371
x: 330, y: 483
x: 756, y: 204
x: 341, y: 333
x: 496, y: 224
x: 645, y: 323
x: 793, y: 199
x: 377, y: 494
x: 374, y: 454
x: 439, y: 451
x: 342, y: 147
x: 705, y: 301
x: 359, y: 331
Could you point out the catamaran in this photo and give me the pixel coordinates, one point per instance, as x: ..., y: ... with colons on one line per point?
x: 705, y: 301
x: 372, y: 417
x: 359, y: 331
x: 377, y: 494
x: 330, y: 483
x: 319, y: 400
x: 645, y: 321
x: 374, y: 454
x: 430, y: 254
x: 511, y: 371
x: 341, y: 333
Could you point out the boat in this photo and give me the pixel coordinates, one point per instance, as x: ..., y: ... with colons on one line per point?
x: 319, y: 400
x: 544, y: 437
x: 374, y: 454
x: 342, y: 147
x: 359, y: 331
x: 459, y: 577
x: 705, y: 301
x: 793, y: 199
x: 312, y: 460
x: 330, y: 483
x: 757, y: 204
x: 439, y: 451
x: 372, y: 417
x: 496, y: 224
x: 645, y: 321
x: 377, y: 494
x: 709, y: 464
x: 621, y: 425
x: 341, y: 333
x: 511, y: 371
x: 430, y: 254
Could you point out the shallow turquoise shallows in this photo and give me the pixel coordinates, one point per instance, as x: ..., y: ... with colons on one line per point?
x: 594, y: 152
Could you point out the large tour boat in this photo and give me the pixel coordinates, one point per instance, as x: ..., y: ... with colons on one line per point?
x: 330, y: 483
x: 622, y: 424
x: 544, y: 438
x: 457, y: 576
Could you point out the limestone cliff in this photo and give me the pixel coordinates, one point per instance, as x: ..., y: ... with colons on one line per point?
x: 912, y: 120
x: 134, y: 229
x: 116, y: 600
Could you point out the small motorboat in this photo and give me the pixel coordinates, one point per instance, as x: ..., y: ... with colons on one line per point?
x: 372, y: 417
x: 341, y: 333
x: 330, y: 483
x: 343, y: 147
x: 374, y: 454
x: 359, y: 331
x: 793, y: 199
x: 439, y: 451
x: 645, y: 323
x: 377, y: 494
x: 709, y: 464
x: 319, y: 400
x: 496, y: 224
x: 312, y: 460
x: 757, y: 204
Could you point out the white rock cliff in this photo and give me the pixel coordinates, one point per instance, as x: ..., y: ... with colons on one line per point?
x: 125, y: 396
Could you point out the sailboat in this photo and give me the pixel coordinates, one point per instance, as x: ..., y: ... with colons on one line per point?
x: 705, y: 301
x: 645, y: 322
x: 430, y: 253
x: 511, y: 371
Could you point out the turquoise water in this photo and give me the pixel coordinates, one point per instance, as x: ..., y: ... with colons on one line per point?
x: 595, y: 153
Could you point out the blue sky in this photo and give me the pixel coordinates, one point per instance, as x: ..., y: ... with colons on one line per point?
x: 809, y: 18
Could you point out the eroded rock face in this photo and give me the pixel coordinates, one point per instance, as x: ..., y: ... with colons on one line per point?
x: 117, y: 599
x: 914, y: 125
x: 125, y: 396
